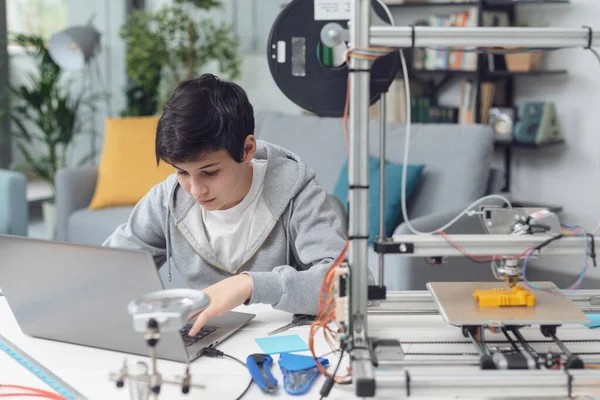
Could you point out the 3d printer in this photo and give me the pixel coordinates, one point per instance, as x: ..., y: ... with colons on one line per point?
x: 515, y: 235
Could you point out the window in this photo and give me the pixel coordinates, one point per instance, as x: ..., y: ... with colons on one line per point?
x: 36, y: 17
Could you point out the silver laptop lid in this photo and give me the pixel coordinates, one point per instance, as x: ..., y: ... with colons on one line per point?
x: 79, y: 294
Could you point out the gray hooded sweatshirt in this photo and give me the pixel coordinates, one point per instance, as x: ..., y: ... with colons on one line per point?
x: 294, y: 238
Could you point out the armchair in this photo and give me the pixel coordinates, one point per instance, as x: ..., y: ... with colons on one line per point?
x: 14, y: 211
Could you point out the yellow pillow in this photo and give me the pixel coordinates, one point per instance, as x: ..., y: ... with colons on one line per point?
x: 128, y: 167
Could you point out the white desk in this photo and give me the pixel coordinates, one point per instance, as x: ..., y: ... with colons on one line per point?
x: 87, y: 369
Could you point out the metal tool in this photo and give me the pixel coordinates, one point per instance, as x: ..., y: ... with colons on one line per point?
x: 171, y: 308
x: 163, y: 310
x: 297, y: 320
x: 56, y: 383
x: 259, y: 366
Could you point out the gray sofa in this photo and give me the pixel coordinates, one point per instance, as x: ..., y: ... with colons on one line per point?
x: 457, y: 158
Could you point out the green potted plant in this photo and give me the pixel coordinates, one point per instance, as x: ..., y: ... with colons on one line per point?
x: 173, y: 44
x: 146, y: 56
x: 45, y: 115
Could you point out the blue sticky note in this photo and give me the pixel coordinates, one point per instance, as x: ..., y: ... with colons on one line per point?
x: 281, y: 344
x: 595, y: 320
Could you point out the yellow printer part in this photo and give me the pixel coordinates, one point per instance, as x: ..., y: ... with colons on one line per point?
x: 499, y: 297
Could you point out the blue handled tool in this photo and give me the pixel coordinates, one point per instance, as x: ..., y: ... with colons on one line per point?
x: 259, y: 366
x: 299, y: 372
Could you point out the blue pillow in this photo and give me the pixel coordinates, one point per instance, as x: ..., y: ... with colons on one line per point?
x: 393, y: 193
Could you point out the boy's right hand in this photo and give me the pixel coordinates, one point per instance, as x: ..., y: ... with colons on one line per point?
x: 224, y: 296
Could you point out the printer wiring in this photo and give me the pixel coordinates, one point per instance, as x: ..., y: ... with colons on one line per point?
x: 326, y: 315
x: 589, y: 252
x: 29, y: 392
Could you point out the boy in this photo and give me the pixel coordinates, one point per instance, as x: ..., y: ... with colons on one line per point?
x: 243, y: 220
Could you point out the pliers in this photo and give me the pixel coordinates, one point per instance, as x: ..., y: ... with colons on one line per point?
x: 259, y: 366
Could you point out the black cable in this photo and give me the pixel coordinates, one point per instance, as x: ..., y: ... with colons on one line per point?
x: 326, y: 354
x: 595, y: 53
x: 214, y: 353
x: 590, y: 37
x: 526, y: 346
x: 592, y: 248
x: 510, y: 340
x: 328, y: 385
x: 235, y: 359
x: 548, y: 241
x: 245, y: 390
x: 592, y: 253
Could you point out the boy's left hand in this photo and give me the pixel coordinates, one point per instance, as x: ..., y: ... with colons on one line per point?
x: 224, y: 296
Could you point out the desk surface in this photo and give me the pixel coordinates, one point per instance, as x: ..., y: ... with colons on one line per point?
x: 87, y: 369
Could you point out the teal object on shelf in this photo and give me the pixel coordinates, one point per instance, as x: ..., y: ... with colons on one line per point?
x: 537, y: 123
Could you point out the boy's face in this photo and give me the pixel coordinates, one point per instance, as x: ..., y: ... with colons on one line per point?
x: 216, y: 181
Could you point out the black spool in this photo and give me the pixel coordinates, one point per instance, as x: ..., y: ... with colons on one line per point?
x: 321, y: 89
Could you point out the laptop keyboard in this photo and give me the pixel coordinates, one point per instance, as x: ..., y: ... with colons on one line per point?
x: 189, y: 340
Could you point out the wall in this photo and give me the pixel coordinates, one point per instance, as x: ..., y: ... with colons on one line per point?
x: 108, y: 16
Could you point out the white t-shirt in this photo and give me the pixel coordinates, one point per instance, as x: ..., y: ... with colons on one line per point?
x: 228, y: 230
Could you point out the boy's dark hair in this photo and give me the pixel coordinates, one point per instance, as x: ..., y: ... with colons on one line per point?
x: 204, y: 115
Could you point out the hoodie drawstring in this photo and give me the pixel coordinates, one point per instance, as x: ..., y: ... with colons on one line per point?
x: 168, y: 240
x: 287, y: 236
x: 168, y: 231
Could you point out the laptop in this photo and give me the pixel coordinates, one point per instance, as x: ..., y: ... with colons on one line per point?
x: 79, y: 294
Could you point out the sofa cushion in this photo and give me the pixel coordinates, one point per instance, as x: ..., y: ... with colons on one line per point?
x: 128, y: 167
x: 393, y: 193
x: 458, y: 160
x: 319, y: 142
x: 458, y: 157
x: 94, y: 227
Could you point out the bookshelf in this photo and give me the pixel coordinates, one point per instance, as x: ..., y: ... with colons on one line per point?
x: 488, y: 74
x: 500, y: 143
x: 490, y: 3
x: 481, y: 68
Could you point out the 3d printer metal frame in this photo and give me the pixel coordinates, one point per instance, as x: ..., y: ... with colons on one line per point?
x: 477, y: 245
x: 362, y: 35
x: 421, y: 302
